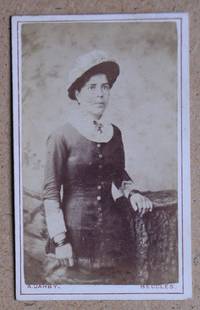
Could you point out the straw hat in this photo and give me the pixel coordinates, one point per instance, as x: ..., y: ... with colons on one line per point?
x: 89, y: 64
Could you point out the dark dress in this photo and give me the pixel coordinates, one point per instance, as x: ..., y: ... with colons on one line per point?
x: 99, y: 229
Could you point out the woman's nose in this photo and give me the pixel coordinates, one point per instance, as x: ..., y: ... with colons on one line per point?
x: 99, y: 92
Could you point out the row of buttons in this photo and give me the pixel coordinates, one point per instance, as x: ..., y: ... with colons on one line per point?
x: 99, y: 187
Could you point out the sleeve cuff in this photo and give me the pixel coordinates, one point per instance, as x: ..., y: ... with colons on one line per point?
x: 126, y: 188
x: 54, y: 218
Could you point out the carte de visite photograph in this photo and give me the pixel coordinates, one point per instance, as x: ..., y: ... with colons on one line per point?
x: 101, y: 157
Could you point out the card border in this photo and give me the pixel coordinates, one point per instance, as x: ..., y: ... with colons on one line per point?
x: 184, y: 216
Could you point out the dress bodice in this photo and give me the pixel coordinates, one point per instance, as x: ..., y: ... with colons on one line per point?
x: 82, y: 165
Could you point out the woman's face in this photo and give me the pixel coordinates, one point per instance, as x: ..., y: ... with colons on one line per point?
x: 94, y: 95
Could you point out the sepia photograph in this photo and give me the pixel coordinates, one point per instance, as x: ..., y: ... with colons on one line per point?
x: 101, y: 156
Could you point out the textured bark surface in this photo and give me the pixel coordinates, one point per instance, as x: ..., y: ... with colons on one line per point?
x: 157, y: 246
x: 155, y: 236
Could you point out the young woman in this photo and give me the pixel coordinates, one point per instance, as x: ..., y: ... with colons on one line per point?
x: 87, y: 228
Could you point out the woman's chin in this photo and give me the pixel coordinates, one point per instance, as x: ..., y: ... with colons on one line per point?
x: 98, y: 112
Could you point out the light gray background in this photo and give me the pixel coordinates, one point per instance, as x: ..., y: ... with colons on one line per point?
x: 143, y: 100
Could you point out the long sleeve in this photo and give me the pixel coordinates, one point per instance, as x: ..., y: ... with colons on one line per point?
x: 122, y: 180
x: 55, y: 157
x: 53, y: 176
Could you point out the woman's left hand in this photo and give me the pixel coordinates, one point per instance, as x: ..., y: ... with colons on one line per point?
x: 65, y: 255
x: 141, y: 203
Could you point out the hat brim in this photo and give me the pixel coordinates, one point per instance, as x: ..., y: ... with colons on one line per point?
x: 109, y: 68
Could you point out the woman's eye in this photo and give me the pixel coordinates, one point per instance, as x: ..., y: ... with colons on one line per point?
x: 105, y: 87
x: 91, y: 87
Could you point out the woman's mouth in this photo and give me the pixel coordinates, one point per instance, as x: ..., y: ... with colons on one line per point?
x: 99, y: 103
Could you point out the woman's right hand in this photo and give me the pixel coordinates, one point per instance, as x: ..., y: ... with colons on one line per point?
x: 65, y: 255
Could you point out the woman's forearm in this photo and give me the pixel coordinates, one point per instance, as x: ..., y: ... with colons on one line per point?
x: 124, y: 184
x: 54, y: 218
